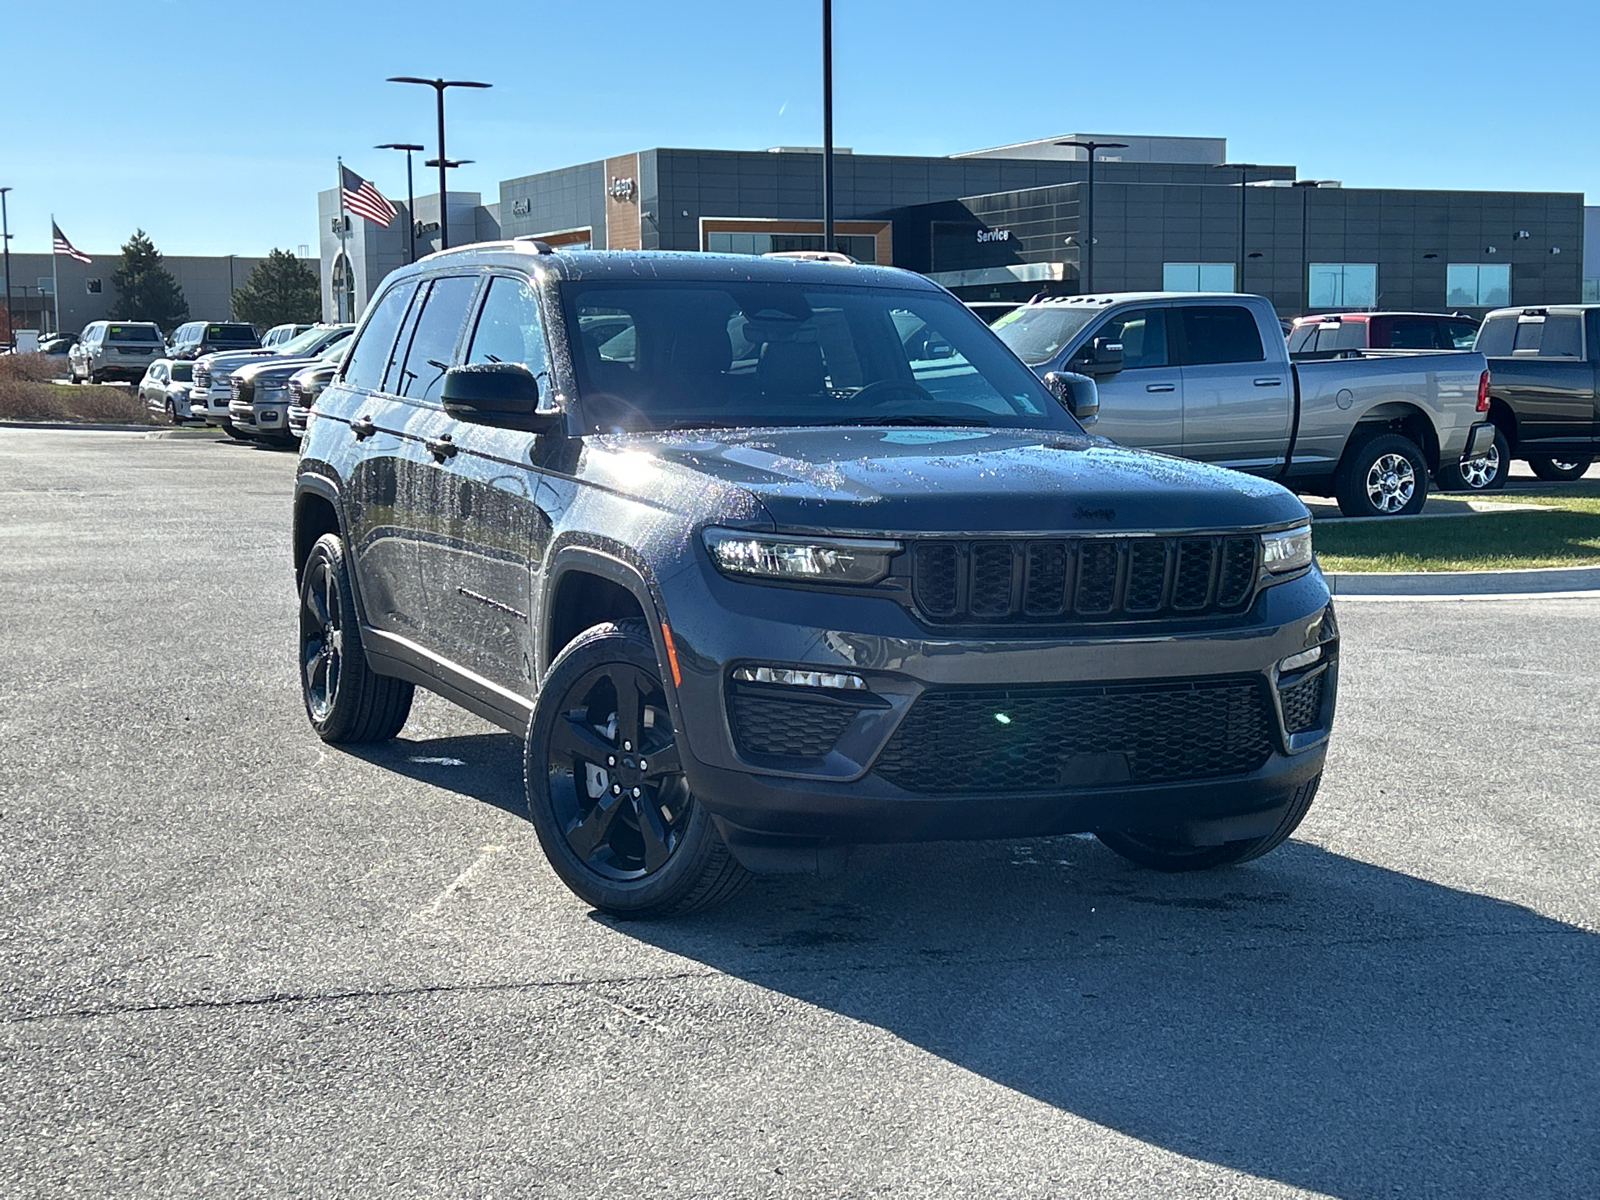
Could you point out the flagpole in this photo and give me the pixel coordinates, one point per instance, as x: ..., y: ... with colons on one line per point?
x: 55, y: 277
x: 344, y: 250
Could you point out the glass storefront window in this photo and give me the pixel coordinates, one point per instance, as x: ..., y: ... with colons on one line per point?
x: 861, y: 247
x: 1478, y: 285
x: 1343, y: 285
x: 1591, y: 289
x: 1197, y: 277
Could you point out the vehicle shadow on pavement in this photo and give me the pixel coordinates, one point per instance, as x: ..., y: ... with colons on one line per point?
x: 485, y: 766
x: 1307, y: 1018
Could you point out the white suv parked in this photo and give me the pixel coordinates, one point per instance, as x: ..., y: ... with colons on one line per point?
x: 115, y: 350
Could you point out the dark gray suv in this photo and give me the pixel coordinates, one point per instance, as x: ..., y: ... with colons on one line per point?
x: 765, y: 559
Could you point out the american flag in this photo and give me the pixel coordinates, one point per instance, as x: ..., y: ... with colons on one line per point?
x: 361, y: 198
x: 61, y: 246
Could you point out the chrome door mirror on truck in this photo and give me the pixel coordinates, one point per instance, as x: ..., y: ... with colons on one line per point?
x: 497, y: 394
x: 1078, y: 394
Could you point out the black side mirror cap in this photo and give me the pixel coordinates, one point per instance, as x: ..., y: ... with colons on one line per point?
x: 497, y: 394
x: 1078, y: 394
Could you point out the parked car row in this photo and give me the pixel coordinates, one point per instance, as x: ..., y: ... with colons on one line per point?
x: 245, y: 392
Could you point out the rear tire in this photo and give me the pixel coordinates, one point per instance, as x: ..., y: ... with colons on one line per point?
x: 605, y: 786
x: 346, y: 700
x: 1161, y: 854
x: 1486, y: 473
x: 1560, y: 470
x: 1384, y: 476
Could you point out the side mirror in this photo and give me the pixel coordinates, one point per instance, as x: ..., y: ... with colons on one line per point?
x: 497, y: 394
x: 1106, y: 356
x: 1078, y: 394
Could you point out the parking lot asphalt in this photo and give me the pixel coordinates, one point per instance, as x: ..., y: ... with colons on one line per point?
x: 239, y: 962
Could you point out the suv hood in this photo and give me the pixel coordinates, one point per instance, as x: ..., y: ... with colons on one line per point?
x: 950, y: 480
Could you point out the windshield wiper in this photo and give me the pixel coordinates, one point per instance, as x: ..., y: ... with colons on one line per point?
x: 914, y: 419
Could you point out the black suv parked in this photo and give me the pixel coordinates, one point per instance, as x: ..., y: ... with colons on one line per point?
x: 768, y: 558
x: 195, y: 338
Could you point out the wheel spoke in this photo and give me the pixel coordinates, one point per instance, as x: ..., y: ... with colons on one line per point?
x: 663, y: 762
x: 317, y: 676
x: 632, y: 689
x: 657, y: 843
x: 572, y: 739
x: 589, y: 834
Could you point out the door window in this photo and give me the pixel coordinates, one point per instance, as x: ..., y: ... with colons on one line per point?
x: 1143, y: 334
x: 370, y: 357
x: 509, y: 329
x: 1460, y: 334
x: 1217, y: 333
x: 433, y: 343
x: 1563, y: 337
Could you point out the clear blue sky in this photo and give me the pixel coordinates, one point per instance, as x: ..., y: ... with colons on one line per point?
x: 212, y: 126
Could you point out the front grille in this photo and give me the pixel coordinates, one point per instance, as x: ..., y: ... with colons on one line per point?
x: 1100, y: 579
x: 1302, y: 704
x: 796, y: 726
x: 1059, y: 737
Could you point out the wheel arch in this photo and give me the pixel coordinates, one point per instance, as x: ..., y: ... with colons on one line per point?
x: 588, y: 586
x: 1504, y: 418
x: 1395, y: 416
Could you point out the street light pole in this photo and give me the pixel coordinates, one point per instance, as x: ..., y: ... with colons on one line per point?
x: 827, y: 125
x: 1244, y: 169
x: 411, y: 197
x: 5, y: 241
x: 230, y: 287
x: 439, y: 86
x: 1086, y: 250
x: 1305, y: 186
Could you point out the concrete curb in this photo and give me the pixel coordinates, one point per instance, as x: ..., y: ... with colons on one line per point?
x: 88, y: 426
x: 1464, y: 583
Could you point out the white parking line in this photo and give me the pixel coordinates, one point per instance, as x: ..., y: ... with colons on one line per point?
x: 456, y: 884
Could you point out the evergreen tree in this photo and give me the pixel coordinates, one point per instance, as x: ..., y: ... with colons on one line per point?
x: 280, y: 291
x: 146, y: 290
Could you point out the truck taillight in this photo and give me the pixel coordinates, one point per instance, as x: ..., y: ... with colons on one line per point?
x: 1483, y: 392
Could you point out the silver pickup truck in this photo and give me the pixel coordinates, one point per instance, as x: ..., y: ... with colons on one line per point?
x: 1208, y: 376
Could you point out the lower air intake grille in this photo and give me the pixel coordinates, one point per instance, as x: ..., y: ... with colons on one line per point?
x: 792, y: 726
x: 1302, y: 704
x: 1044, y: 739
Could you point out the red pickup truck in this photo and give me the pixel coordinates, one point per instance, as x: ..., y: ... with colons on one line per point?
x: 1329, y: 334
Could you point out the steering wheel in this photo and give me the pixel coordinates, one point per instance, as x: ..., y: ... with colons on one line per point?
x: 882, y: 387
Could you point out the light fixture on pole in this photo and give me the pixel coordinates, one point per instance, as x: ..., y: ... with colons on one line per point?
x: 411, y: 197
x: 439, y: 86
x: 1086, y: 246
x: 1244, y: 169
x: 827, y: 124
x: 5, y: 241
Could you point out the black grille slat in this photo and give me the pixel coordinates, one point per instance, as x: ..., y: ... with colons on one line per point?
x: 935, y: 574
x: 765, y: 723
x: 953, y: 741
x: 1302, y: 704
x: 992, y: 569
x: 1138, y: 577
x: 1045, y: 589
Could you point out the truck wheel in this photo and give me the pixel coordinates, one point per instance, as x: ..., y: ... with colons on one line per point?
x: 1560, y: 470
x: 606, y: 789
x: 1161, y: 854
x: 1385, y: 476
x: 1486, y: 473
x: 348, y: 702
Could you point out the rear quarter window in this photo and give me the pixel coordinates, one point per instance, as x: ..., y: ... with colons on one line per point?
x: 1563, y: 336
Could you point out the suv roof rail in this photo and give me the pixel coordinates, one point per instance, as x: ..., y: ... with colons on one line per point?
x: 539, y: 247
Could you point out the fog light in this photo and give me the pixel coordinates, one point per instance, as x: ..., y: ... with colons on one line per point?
x: 1304, y: 659
x: 816, y: 679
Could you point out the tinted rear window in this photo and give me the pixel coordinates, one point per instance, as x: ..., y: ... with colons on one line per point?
x: 1218, y: 333
x: 1529, y: 335
x: 230, y: 333
x: 132, y: 333
x: 1495, y: 336
x: 1413, y: 333
x: 1563, y: 337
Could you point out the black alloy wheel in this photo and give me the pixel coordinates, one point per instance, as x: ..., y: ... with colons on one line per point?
x: 606, y: 788
x: 1560, y: 470
x: 346, y: 701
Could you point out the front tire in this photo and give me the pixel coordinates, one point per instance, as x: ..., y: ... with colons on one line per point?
x: 1560, y: 470
x: 1486, y: 473
x: 1384, y: 476
x: 346, y: 700
x: 605, y: 785
x: 1162, y: 854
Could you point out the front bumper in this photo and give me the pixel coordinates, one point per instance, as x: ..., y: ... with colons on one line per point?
x: 243, y: 415
x: 841, y: 796
x: 210, y: 404
x: 271, y: 417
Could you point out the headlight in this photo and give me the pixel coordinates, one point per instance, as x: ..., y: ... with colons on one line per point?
x: 274, y: 390
x: 1288, y: 550
x: 824, y: 560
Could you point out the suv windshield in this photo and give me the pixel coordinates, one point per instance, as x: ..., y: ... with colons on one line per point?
x: 306, y: 343
x: 1036, y: 333
x: 685, y: 355
x: 182, y: 372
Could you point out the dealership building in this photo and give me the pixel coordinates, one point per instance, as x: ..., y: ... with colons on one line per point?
x: 1166, y: 213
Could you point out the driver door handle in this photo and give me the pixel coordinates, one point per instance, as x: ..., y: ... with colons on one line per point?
x: 1160, y: 387
x: 363, y: 428
x: 1269, y: 383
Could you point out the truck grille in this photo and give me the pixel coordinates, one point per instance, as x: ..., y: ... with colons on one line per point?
x: 1058, y: 737
x: 797, y: 726
x: 1094, y: 579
